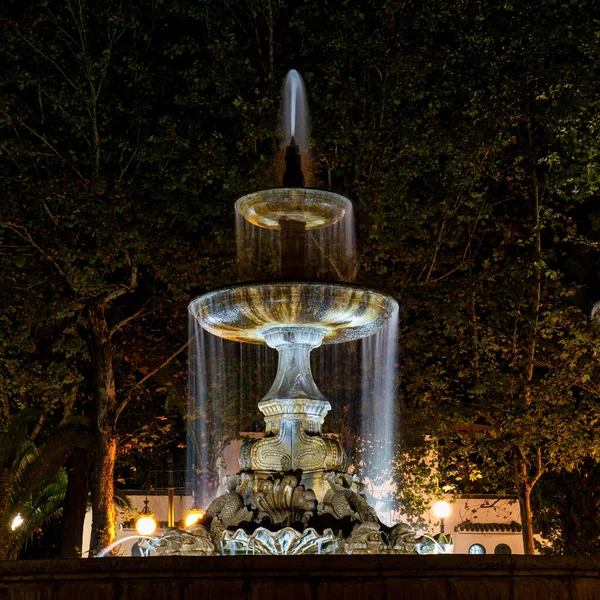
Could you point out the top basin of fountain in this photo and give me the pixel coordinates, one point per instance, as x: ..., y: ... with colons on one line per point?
x: 315, y: 208
x: 243, y: 313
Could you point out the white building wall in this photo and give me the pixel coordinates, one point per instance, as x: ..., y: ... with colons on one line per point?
x: 481, y: 510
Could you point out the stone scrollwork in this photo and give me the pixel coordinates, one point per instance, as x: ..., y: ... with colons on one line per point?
x: 293, y: 440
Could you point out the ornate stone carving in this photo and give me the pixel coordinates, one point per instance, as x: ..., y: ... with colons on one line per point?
x: 402, y: 539
x: 343, y: 501
x: 285, y: 541
x: 195, y: 542
x: 366, y: 538
x: 284, y: 500
x: 294, y: 443
x: 229, y: 509
x: 294, y: 411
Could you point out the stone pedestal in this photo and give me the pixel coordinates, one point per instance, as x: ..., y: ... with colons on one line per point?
x: 294, y: 412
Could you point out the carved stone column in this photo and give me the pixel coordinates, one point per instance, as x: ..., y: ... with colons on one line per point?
x: 294, y: 410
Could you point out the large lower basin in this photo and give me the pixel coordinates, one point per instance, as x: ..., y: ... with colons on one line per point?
x: 242, y: 313
x: 315, y: 208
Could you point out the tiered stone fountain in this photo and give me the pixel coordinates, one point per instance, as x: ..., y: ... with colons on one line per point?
x: 293, y: 494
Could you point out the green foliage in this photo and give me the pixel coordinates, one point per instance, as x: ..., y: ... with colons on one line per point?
x: 566, y: 511
x: 32, y: 482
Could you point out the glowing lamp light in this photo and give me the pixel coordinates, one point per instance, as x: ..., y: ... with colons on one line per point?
x: 17, y: 522
x: 145, y: 525
x: 193, y: 517
x: 441, y: 509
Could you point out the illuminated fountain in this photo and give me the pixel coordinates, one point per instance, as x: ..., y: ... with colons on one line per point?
x: 293, y: 494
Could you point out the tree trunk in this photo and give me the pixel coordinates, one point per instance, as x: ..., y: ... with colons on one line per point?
x: 75, y: 505
x: 527, y: 517
x: 105, y: 443
x: 104, y: 517
x: 526, y: 480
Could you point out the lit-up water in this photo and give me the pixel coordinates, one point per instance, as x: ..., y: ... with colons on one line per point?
x: 227, y: 380
x: 108, y: 549
x: 329, y: 251
x: 294, y: 113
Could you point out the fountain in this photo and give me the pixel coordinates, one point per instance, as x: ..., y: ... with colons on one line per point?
x: 293, y: 494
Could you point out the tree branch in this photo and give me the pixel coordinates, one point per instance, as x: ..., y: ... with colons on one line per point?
x: 123, y: 289
x: 523, y: 462
x: 539, y: 467
x: 16, y: 29
x: 114, y: 295
x: 436, y: 249
x: 135, y: 315
x: 42, y: 138
x: 24, y: 234
x: 329, y: 259
x: 126, y: 401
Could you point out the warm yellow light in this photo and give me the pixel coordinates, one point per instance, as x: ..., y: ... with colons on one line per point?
x: 193, y: 517
x: 17, y: 522
x: 146, y: 525
x: 441, y: 509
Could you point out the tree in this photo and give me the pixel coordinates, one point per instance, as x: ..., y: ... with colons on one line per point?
x: 465, y: 133
x: 110, y: 143
x: 566, y: 511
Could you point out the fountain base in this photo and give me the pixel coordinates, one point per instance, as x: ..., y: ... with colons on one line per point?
x: 278, y: 513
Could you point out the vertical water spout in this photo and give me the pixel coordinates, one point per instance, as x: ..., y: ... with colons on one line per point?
x: 295, y: 111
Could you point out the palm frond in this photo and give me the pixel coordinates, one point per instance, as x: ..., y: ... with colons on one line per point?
x: 32, y: 481
x: 37, y: 509
x: 12, y: 440
x: 37, y: 469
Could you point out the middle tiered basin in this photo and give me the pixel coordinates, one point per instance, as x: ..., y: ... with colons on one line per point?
x: 315, y: 208
x: 243, y: 313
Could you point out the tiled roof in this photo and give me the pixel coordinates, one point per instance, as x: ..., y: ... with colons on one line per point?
x: 512, y: 527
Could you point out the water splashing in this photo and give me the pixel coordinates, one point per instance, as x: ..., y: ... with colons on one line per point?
x: 151, y: 539
x: 295, y: 111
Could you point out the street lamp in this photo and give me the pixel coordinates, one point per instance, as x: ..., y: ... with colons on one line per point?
x: 193, y: 517
x: 441, y: 510
x: 146, y: 525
